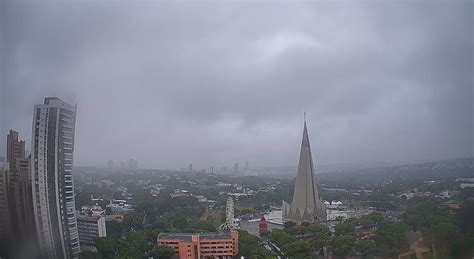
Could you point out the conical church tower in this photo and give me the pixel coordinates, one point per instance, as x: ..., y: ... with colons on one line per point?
x: 306, y: 204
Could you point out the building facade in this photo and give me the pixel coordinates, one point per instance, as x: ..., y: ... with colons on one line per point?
x: 5, y: 225
x: 306, y: 204
x: 19, y: 190
x: 202, y: 245
x: 52, y: 181
x: 90, y: 228
x: 15, y: 149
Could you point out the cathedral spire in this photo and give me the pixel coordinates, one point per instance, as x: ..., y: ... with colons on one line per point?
x: 305, y: 197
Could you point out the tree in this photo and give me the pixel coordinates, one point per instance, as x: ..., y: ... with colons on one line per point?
x: 289, y: 224
x: 305, y: 223
x: 180, y: 222
x: 114, y: 228
x: 391, y: 238
x: 133, y: 221
x: 298, y: 249
x: 161, y: 251
x: 343, y: 245
x: 138, y: 241
x: 441, y: 232
x: 107, y: 246
x: 280, y: 238
x: 249, y: 247
x: 324, y: 239
x: 366, y: 247
x: 89, y: 255
x: 345, y: 228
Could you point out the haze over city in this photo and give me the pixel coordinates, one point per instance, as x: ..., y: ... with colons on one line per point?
x: 212, y: 84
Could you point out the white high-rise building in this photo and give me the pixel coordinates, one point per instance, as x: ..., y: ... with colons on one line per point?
x: 52, y: 182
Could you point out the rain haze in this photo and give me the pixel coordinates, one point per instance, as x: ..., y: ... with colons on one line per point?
x: 211, y: 83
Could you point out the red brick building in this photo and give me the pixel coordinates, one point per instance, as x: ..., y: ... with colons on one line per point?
x: 202, y: 245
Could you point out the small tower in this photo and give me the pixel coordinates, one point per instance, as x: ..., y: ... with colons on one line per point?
x: 262, y: 226
x: 229, y: 212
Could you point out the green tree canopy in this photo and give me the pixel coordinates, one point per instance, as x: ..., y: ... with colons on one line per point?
x: 161, y: 251
x: 298, y: 249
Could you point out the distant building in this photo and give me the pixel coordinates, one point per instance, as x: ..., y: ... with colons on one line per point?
x: 202, y: 245
x: 306, y: 205
x: 236, y: 168
x: 110, y: 164
x: 466, y: 185
x: 119, y: 207
x: 365, y: 231
x: 94, y: 210
x: 190, y: 168
x: 90, y: 228
x: 52, y: 182
x: 132, y: 164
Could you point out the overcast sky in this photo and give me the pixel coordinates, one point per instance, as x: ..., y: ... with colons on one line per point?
x: 214, y: 84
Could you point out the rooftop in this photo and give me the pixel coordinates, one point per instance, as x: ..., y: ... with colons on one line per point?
x: 188, y: 236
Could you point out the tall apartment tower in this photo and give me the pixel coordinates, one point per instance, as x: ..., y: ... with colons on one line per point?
x: 5, y: 225
x: 19, y: 191
x: 52, y: 182
x: 15, y: 149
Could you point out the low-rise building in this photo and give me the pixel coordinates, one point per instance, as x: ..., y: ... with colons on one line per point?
x: 92, y: 210
x: 119, y: 207
x: 90, y: 228
x: 199, y: 245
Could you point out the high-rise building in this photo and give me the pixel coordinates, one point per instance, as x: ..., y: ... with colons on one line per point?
x: 19, y: 190
x: 190, y: 168
x: 52, y: 181
x: 24, y: 202
x: 202, y: 245
x: 5, y: 225
x: 15, y: 149
x: 236, y: 168
x: 110, y: 164
x: 306, y: 204
x: 132, y: 164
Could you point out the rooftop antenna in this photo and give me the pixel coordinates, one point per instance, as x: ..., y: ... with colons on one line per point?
x: 304, y: 114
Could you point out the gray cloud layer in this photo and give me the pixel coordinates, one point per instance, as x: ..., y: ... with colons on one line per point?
x: 209, y: 83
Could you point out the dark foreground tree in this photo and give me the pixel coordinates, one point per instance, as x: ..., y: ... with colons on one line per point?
x: 161, y: 251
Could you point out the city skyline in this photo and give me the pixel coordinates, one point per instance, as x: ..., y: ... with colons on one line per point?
x: 234, y: 87
x: 236, y: 129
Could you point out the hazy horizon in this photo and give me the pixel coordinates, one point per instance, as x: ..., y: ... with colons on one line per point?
x: 170, y: 84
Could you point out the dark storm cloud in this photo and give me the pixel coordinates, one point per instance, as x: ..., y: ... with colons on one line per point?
x: 208, y: 83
